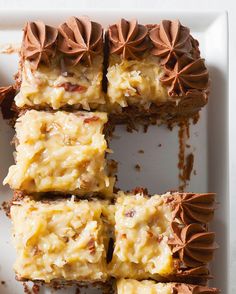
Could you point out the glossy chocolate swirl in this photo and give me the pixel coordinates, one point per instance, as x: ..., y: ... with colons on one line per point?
x: 193, y: 208
x: 192, y: 289
x: 170, y: 40
x: 128, y: 39
x: 39, y: 43
x: 80, y: 40
x: 187, y: 74
x: 192, y: 244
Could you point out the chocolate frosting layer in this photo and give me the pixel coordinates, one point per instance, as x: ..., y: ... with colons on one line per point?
x: 193, y: 208
x: 4, y: 91
x: 192, y: 289
x: 170, y: 40
x: 39, y: 43
x: 7, y: 95
x: 187, y: 74
x: 80, y: 40
x: 200, y: 271
x: 192, y: 244
x: 128, y: 39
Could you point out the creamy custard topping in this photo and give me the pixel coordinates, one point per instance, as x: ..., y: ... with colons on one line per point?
x: 142, y: 229
x: 60, y: 240
x: 62, y: 152
x: 52, y: 86
x: 129, y: 286
x: 135, y: 82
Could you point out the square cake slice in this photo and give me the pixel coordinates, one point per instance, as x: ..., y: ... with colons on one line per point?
x: 61, y: 240
x: 163, y: 237
x: 61, y: 152
x: 155, y: 72
x: 67, y: 70
x: 129, y: 286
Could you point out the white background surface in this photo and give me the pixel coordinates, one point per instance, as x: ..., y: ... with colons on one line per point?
x: 170, y: 5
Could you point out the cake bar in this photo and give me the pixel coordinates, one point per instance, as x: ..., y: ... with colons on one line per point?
x: 129, y: 286
x: 155, y: 71
x: 147, y: 72
x: 61, y: 152
x: 163, y: 237
x: 61, y: 240
x: 61, y: 68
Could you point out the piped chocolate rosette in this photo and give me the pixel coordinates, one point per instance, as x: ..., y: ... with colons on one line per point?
x: 155, y: 71
x: 185, y: 74
x: 163, y: 237
x: 39, y: 44
x: 61, y: 68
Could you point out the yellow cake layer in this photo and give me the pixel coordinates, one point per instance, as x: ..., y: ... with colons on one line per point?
x: 64, y: 240
x: 44, y: 87
x: 142, y: 229
x: 130, y: 286
x: 62, y: 152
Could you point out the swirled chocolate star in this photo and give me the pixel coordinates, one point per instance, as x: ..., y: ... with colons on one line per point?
x: 128, y: 39
x: 193, y: 208
x: 80, y: 40
x: 170, y: 40
x: 193, y: 244
x: 39, y: 43
x: 187, y: 74
x: 192, y: 289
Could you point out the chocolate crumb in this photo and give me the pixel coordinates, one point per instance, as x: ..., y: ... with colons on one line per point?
x: 6, y: 207
x: 159, y: 145
x: 140, y: 190
x: 112, y: 167
x: 10, y: 49
x: 185, y: 163
x: 35, y: 289
x: 188, y: 166
x: 26, y: 289
x: 141, y: 151
x: 145, y: 128
x: 3, y: 282
x: 137, y: 167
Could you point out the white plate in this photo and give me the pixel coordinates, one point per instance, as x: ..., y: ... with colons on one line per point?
x: 209, y: 138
